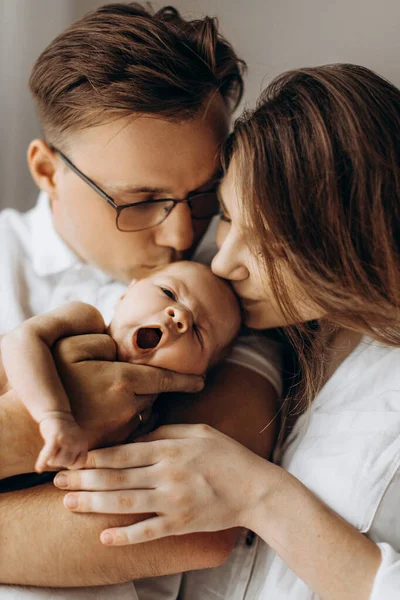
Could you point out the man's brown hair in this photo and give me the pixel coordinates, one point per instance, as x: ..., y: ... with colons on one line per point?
x: 318, y: 171
x: 122, y: 59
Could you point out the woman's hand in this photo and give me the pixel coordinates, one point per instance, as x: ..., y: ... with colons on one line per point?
x: 193, y: 477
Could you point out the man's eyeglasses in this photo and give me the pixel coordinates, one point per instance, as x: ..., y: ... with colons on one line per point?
x: 150, y: 213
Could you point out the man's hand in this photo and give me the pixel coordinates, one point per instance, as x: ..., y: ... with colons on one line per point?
x: 107, y: 396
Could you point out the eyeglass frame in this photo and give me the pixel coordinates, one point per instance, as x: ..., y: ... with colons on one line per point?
x: 119, y: 208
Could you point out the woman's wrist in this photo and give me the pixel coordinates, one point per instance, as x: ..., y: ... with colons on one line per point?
x: 267, y: 483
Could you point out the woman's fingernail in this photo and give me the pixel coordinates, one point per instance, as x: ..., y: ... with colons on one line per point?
x: 61, y: 481
x: 71, y: 501
x: 200, y: 385
x: 107, y: 538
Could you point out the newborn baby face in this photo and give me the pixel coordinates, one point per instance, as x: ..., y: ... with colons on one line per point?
x: 179, y: 318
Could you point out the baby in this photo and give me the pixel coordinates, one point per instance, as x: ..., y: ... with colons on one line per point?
x: 181, y: 317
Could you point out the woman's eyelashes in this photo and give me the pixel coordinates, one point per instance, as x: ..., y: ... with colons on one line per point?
x: 224, y: 217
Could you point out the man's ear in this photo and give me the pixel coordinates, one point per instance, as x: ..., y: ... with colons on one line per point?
x: 43, y: 162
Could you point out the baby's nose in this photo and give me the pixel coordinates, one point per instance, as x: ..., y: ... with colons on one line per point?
x: 181, y: 317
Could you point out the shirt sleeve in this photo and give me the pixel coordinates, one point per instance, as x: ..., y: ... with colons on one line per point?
x: 386, y: 526
x: 387, y: 580
x: 255, y: 352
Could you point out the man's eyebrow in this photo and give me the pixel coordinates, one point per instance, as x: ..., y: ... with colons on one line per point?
x: 145, y: 189
x: 140, y: 189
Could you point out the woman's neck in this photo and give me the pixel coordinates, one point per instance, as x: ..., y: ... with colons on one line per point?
x: 339, y: 343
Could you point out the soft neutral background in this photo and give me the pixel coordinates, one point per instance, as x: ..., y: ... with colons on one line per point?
x: 271, y: 35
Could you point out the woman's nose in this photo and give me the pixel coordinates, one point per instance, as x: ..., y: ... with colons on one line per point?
x: 227, y: 266
x: 181, y: 318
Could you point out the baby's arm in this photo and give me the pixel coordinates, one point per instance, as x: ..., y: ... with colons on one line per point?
x: 32, y: 374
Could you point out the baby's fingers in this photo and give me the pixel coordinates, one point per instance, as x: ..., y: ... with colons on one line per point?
x: 47, y: 453
x: 67, y: 456
x: 80, y: 460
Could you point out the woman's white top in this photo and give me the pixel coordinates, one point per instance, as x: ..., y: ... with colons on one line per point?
x: 347, y: 451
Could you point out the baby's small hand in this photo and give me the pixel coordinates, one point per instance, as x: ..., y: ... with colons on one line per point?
x: 65, y: 445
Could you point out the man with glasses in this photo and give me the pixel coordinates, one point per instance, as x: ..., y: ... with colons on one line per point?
x: 134, y: 108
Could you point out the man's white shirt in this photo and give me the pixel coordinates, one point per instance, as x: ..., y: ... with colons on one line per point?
x: 39, y: 272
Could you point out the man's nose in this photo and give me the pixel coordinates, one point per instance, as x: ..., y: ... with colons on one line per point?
x: 181, y: 318
x: 177, y: 229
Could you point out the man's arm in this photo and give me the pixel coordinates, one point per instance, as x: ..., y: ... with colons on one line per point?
x: 236, y: 400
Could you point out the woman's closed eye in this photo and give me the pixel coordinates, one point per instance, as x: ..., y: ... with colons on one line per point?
x: 224, y: 217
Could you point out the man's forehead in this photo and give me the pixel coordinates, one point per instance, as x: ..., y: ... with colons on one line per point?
x: 149, y: 156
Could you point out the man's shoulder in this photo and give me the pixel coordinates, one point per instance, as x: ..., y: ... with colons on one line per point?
x: 14, y: 232
x: 15, y: 224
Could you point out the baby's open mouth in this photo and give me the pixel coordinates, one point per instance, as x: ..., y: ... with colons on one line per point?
x: 148, y: 337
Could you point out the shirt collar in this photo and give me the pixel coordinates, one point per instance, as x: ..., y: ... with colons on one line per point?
x: 50, y: 254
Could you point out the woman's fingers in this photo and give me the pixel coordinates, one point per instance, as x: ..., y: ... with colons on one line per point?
x: 106, y: 479
x: 150, y: 529
x: 117, y: 502
x: 123, y: 457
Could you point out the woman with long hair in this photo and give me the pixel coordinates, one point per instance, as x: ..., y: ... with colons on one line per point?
x: 310, y: 239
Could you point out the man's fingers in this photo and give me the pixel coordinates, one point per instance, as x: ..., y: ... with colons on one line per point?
x: 92, y: 346
x: 150, y: 529
x: 151, y: 380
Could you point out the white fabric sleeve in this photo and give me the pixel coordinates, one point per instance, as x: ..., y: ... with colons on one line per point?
x: 387, y: 580
x: 123, y: 591
x: 385, y: 531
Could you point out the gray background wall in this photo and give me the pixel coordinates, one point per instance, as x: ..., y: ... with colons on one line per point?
x: 271, y: 35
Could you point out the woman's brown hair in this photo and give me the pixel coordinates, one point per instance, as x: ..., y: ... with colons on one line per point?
x: 122, y: 59
x: 318, y: 167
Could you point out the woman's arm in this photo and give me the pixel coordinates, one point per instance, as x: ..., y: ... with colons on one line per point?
x: 331, y: 556
x: 220, y: 483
